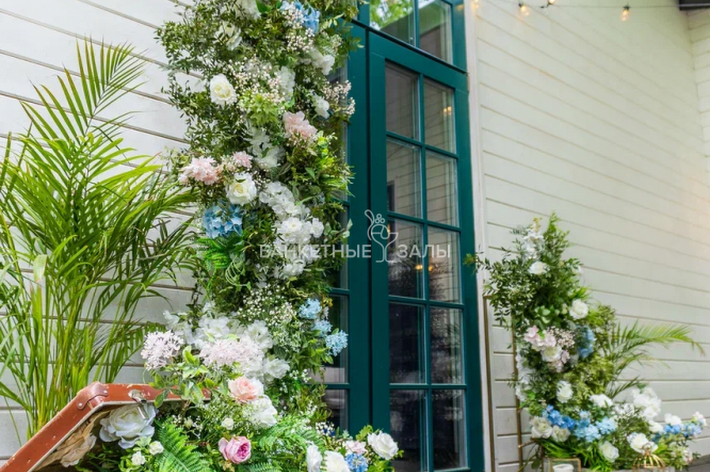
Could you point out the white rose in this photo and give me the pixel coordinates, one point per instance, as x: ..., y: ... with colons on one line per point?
x: 564, y: 391
x: 639, y: 443
x: 609, y: 452
x: 602, y: 401
x: 242, y: 190
x: 261, y: 413
x: 137, y: 458
x: 155, y: 448
x: 313, y: 458
x: 221, y: 91
x: 127, y: 425
x: 228, y: 424
x: 541, y: 427
x: 560, y: 435
x: 551, y: 354
x: 672, y: 420
x: 274, y: 369
x: 383, y: 445
x: 538, y: 268
x: 579, y: 309
x: 335, y: 462
x: 322, y: 106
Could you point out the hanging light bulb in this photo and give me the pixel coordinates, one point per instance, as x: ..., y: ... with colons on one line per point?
x: 524, y: 9
x: 550, y: 2
x: 625, y: 13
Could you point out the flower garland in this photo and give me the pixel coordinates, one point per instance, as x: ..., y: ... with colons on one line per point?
x: 266, y: 169
x: 569, y: 354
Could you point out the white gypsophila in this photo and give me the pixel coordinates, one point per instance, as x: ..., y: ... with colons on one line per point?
x: 322, y: 106
x: 608, y: 450
x: 261, y: 413
x: 560, y: 435
x: 335, y: 462
x: 273, y: 369
x: 672, y: 420
x: 564, y: 391
x: 221, y: 91
x: 579, y: 309
x: 541, y: 427
x: 313, y: 458
x: 538, y: 268
x: 242, y: 190
x: 601, y: 400
x: 640, y: 443
x: 228, y: 424
x: 128, y: 424
x: 287, y: 81
x: 647, y: 401
x: 324, y: 62
x: 383, y: 445
x: 247, y: 9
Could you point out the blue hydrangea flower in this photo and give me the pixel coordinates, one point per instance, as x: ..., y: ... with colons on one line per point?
x: 692, y: 430
x: 356, y: 462
x: 323, y: 326
x: 336, y: 342
x: 606, y: 425
x: 311, y: 16
x: 585, y: 347
x: 672, y: 429
x: 310, y: 309
x: 568, y: 423
x: 220, y: 222
x: 584, y: 421
x: 589, y: 433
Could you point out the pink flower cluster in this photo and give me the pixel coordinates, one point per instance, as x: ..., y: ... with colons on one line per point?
x: 242, y: 159
x: 160, y: 348
x: 201, y: 169
x: 548, y: 346
x: 235, y: 450
x: 297, y: 125
x: 226, y: 352
x: 539, y: 340
x: 245, y: 390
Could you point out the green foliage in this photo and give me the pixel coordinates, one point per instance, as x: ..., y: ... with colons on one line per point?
x: 179, y: 454
x: 90, y: 218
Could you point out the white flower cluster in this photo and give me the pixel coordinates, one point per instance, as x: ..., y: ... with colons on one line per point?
x: 380, y: 443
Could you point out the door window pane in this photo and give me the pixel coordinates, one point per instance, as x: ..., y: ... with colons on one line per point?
x: 404, y: 258
x: 450, y: 443
x: 408, y: 428
x: 444, y: 262
x: 338, y: 317
x: 435, y: 28
x: 402, y: 97
x: 446, y: 346
x: 406, y: 344
x: 337, y: 402
x: 394, y: 17
x: 403, y: 179
x: 441, y: 189
x: 439, y: 116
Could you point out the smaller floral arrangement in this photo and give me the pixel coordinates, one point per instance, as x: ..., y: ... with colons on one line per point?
x: 570, y: 354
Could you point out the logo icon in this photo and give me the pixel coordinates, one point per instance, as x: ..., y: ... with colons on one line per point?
x: 379, y: 233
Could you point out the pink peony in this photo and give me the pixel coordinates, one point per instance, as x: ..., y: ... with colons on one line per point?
x: 245, y: 390
x: 242, y: 159
x: 296, y: 124
x: 236, y: 450
x: 201, y: 169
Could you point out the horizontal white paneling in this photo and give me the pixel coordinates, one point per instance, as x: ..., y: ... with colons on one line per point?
x: 600, y: 121
x: 38, y: 38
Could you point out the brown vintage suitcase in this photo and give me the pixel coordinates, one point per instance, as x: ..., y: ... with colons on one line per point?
x: 84, y: 410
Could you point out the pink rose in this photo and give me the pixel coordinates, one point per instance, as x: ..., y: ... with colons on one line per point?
x: 236, y: 450
x: 201, y: 169
x: 296, y: 124
x: 245, y: 390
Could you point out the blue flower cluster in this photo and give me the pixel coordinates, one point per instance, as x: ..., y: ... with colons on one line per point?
x: 356, y: 462
x: 606, y: 425
x: 220, y: 222
x: 323, y: 326
x: 336, y: 342
x: 586, y: 343
x: 311, y: 16
x: 557, y: 419
x: 692, y: 430
x: 310, y: 309
x: 582, y: 428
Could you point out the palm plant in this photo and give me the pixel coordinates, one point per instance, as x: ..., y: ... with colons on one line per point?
x: 627, y: 345
x: 84, y: 235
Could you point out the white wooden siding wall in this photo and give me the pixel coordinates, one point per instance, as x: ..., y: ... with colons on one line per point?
x: 38, y: 38
x: 598, y: 120
x: 699, y: 22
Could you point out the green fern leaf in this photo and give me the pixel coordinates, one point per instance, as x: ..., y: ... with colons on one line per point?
x: 179, y: 455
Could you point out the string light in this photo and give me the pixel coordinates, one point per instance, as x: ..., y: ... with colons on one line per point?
x: 625, y: 13
x: 524, y: 10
